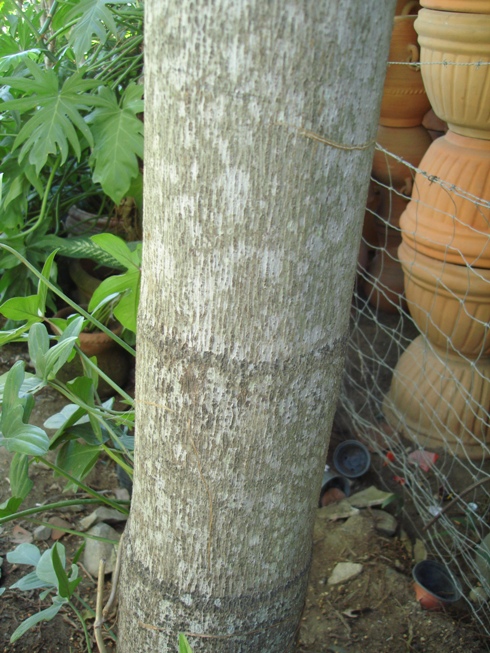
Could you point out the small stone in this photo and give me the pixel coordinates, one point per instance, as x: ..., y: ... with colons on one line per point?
x: 339, y: 510
x: 344, y: 571
x: 42, y: 533
x: 102, y: 514
x: 368, y: 498
x: 58, y: 524
x: 384, y: 523
x: 419, y: 551
x: 121, y: 494
x: 95, y: 550
x: 478, y: 595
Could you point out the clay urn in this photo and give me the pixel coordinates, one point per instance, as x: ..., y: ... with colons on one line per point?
x: 404, y: 102
x: 439, y: 400
x: 464, y: 6
x: 450, y: 304
x: 404, y: 145
x: 448, y: 217
x: 459, y: 94
x: 406, y: 7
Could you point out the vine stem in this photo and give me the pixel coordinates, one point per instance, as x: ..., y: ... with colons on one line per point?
x: 84, y: 626
x: 471, y: 487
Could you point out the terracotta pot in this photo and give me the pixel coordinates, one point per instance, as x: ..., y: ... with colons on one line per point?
x: 391, y: 207
x: 464, y: 6
x: 384, y: 282
x: 404, y: 102
x: 111, y: 358
x: 459, y: 94
x: 439, y: 400
x: 87, y: 276
x: 369, y: 234
x: 82, y: 223
x: 435, y: 587
x: 445, y: 218
x: 450, y: 304
x: 407, y: 143
x: 405, y: 7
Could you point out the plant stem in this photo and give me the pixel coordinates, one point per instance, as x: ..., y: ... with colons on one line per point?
x: 42, y: 211
x: 53, y: 506
x: 69, y: 301
x: 84, y: 626
x: 85, y: 488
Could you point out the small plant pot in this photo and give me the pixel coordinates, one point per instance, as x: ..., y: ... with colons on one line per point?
x: 351, y: 459
x: 332, y: 480
x: 111, y: 358
x: 435, y: 587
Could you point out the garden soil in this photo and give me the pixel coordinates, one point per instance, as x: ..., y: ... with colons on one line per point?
x: 376, y: 612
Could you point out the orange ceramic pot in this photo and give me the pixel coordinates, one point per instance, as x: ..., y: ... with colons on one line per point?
x: 464, y: 6
x: 459, y: 94
x: 383, y: 283
x: 391, y: 207
x: 439, y: 399
x: 447, y: 218
x: 450, y: 304
x: 404, y: 101
x: 405, y: 7
x: 407, y: 143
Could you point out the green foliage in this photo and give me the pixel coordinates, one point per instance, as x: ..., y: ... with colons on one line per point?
x: 184, y: 646
x: 125, y: 286
x: 50, y: 575
x: 69, y: 131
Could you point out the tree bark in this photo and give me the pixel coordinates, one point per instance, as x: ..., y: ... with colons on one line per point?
x: 260, y: 120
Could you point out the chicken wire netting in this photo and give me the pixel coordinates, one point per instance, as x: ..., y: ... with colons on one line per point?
x: 416, y: 386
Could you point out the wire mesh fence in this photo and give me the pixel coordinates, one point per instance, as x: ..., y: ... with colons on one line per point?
x: 416, y: 386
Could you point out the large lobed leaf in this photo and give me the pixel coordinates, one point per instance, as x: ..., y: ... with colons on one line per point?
x: 56, y: 121
x: 118, y: 136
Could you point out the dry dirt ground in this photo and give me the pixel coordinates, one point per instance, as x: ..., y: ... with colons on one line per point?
x: 374, y: 613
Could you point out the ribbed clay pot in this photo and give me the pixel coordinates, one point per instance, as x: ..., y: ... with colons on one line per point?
x: 111, y: 357
x: 464, y: 6
x: 459, y: 94
x: 404, y: 102
x: 445, y: 218
x: 384, y: 283
x: 406, y: 7
x: 439, y: 399
x: 407, y: 143
x: 450, y: 304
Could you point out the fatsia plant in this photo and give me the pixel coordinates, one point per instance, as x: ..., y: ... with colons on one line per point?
x: 70, y: 127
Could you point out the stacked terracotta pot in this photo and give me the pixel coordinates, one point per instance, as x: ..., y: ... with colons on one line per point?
x: 441, y: 385
x: 403, y: 108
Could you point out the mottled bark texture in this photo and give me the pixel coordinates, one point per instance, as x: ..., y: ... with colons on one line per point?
x: 251, y: 232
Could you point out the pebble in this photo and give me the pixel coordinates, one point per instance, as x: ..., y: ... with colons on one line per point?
x: 344, y: 571
x: 384, y: 522
x: 95, y: 550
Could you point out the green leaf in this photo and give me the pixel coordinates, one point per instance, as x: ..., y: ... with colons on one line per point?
x: 28, y: 582
x: 20, y: 483
x: 118, y: 135
x: 38, y: 348
x: 45, y: 567
x: 184, y: 646
x: 24, y: 554
x: 93, y: 18
x: 44, y: 615
x: 17, y: 436
x: 61, y: 575
x: 119, y: 250
x: 21, y: 308
x: 53, y: 126
x: 42, y: 289
x: 77, y: 458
